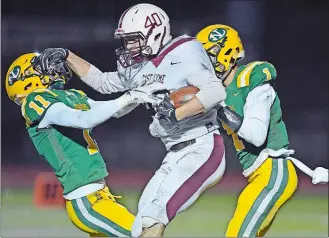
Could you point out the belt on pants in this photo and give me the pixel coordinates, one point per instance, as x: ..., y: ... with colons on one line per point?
x: 182, y: 145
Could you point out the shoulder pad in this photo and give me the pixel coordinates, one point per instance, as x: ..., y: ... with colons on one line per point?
x: 255, y: 74
x: 36, y: 104
x: 193, y: 55
x: 182, y: 46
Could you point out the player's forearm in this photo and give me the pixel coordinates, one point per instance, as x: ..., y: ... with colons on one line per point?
x: 209, y: 96
x: 125, y: 110
x: 193, y: 107
x: 212, y: 91
x: 253, y: 131
x: 103, y: 82
x: 229, y: 117
x: 77, y: 64
x: 257, y: 113
x: 98, y: 114
x: 62, y: 115
x: 103, y: 112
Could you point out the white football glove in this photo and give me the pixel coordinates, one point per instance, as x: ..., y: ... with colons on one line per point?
x: 151, y: 87
x: 142, y: 94
x: 320, y: 176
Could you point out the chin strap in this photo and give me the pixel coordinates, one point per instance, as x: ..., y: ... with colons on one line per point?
x: 227, y: 73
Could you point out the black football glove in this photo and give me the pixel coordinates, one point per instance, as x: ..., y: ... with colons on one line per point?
x: 166, y: 110
x: 230, y: 118
x: 51, y: 57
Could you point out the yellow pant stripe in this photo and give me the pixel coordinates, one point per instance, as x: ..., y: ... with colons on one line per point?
x: 112, y: 226
x: 99, y: 215
x: 258, y: 201
x: 271, y: 197
x: 88, y: 220
x: 75, y: 219
x: 262, y: 200
x: 289, y: 190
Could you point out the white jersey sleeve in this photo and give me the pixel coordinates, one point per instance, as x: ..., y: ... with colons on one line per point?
x: 257, y: 112
x: 104, y: 82
x: 62, y: 115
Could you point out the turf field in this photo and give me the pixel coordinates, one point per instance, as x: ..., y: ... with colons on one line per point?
x: 304, y: 216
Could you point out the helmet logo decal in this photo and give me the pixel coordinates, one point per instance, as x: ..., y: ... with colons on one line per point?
x: 217, y: 34
x: 153, y: 20
x: 14, y: 74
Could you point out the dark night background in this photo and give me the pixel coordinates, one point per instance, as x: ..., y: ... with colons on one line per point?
x: 292, y: 35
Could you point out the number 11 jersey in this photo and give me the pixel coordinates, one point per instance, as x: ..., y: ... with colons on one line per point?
x: 72, y: 153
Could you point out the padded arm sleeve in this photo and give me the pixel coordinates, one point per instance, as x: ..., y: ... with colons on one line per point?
x: 212, y: 91
x: 62, y: 115
x: 257, y: 111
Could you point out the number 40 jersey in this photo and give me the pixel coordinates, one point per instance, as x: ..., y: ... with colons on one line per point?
x: 72, y: 153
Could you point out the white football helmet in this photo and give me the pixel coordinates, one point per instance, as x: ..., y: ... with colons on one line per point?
x: 143, y: 29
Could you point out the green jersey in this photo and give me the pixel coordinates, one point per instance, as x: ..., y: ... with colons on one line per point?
x: 72, y: 153
x: 245, y: 80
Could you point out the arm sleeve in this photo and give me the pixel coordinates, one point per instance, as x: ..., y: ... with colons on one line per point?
x: 62, y: 115
x: 92, y: 103
x: 122, y: 112
x: 257, y: 111
x: 212, y: 91
x: 104, y: 82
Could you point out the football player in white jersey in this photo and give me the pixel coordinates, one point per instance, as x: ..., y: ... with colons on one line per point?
x: 196, y: 155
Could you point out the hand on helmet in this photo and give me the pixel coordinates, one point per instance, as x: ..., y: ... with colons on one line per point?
x: 51, y: 57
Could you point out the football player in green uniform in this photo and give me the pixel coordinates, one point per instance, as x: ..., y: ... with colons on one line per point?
x: 59, y: 123
x: 252, y: 116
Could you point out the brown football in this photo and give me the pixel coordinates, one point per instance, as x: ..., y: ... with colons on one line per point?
x: 181, y: 96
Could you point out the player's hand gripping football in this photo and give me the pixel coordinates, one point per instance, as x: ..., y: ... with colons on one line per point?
x: 166, y: 110
x: 51, y: 57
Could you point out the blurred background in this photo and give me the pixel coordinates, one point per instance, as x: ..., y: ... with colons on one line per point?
x: 292, y: 35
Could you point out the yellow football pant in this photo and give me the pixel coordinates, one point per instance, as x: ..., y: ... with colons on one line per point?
x: 270, y: 186
x: 99, y: 215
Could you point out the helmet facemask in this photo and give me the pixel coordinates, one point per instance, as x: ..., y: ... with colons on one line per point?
x: 221, y: 71
x: 25, y: 75
x: 135, y: 49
